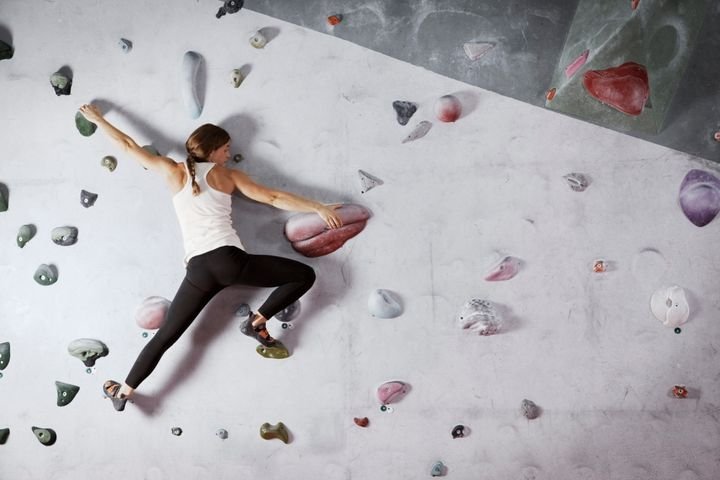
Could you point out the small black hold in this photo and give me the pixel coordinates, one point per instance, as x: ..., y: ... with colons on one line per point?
x: 177, y: 431
x: 230, y: 6
x: 458, y: 431
x: 678, y: 330
x: 404, y: 111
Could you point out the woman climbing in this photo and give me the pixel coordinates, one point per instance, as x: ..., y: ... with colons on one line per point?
x: 214, y: 256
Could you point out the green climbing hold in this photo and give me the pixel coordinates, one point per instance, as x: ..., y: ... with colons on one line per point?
x: 277, y: 351
x: 46, y: 275
x: 4, y: 355
x: 3, y: 198
x: 61, y: 82
x: 6, y: 51
x: 25, y: 234
x: 65, y: 393
x: 46, y: 436
x: 279, y: 431
x: 4, y: 434
x: 84, y: 126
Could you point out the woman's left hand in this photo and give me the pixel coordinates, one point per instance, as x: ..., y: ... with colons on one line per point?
x: 330, y: 216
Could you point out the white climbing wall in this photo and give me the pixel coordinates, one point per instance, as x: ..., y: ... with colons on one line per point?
x: 312, y: 111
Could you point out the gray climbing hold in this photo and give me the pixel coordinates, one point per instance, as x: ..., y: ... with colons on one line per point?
x: 109, y: 162
x: 419, y: 131
x: 25, y: 234
x: 64, y: 236
x: 577, y: 181
x: 4, y: 434
x: 61, y: 82
x: 289, y: 313
x: 190, y: 67
x: 88, y: 350
x: 65, y: 393
x: 177, y: 431
x: 529, y: 409
x: 243, y: 310
x: 404, y: 111
x: 87, y: 199
x: 6, y: 51
x: 438, y: 469
x: 367, y: 181
x: 84, y: 126
x: 384, y: 304
x: 222, y: 433
x: 46, y: 436
x: 4, y: 355
x: 46, y: 274
x: 125, y: 45
x: 237, y: 158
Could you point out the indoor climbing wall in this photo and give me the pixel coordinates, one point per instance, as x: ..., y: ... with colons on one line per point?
x: 515, y: 294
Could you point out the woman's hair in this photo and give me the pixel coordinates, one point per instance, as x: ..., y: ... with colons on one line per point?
x: 200, y: 144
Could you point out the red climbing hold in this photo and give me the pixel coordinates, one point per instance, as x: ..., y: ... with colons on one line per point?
x: 625, y: 88
x: 334, y: 19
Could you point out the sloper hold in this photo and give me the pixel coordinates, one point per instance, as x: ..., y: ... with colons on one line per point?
x: 670, y: 306
x: 190, y: 67
x: 310, y: 236
x: 87, y: 199
x: 6, y: 51
x: 384, y: 304
x: 477, y: 50
x: 46, y: 436
x: 420, y: 130
x: 25, y: 234
x: 64, y: 236
x: 505, y: 269
x: 404, y: 111
x: 258, y: 40
x: 152, y: 312
x: 699, y: 197
x: 625, y: 88
x: 390, y: 392
x: 4, y: 434
x: 46, y: 275
x: 88, y: 350
x: 368, y: 181
x: 65, y: 393
x: 4, y: 355
x: 84, y: 126
x: 279, y: 431
x: 278, y: 351
x: 448, y: 108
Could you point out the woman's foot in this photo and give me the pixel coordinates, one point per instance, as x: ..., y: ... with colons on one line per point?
x: 111, y: 389
x: 258, y: 332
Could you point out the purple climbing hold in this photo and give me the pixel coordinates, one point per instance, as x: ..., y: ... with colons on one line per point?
x: 700, y: 197
x: 390, y: 392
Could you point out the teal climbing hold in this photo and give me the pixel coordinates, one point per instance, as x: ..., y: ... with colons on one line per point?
x: 84, y: 126
x: 46, y: 275
x: 25, y: 234
x: 65, y: 393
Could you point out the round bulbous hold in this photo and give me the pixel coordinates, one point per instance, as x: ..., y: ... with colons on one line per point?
x: 152, y: 312
x: 64, y: 236
x: 222, y: 433
x: 384, y: 304
x: 46, y: 275
x: 448, y: 108
x: 109, y: 162
x: 88, y: 350
x: 25, y: 234
x: 670, y: 306
x: 258, y: 40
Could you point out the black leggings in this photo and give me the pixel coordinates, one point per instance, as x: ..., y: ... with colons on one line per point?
x: 209, y: 273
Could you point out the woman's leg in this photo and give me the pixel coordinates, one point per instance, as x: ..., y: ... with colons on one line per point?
x: 187, y: 304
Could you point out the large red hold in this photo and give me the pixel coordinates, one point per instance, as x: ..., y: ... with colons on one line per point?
x: 624, y: 88
x: 310, y: 236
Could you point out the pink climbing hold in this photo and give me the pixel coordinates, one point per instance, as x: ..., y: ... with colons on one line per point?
x: 151, y: 313
x: 448, y: 108
x: 576, y: 64
x: 311, y: 237
x: 505, y: 269
x: 389, y: 392
x: 625, y: 88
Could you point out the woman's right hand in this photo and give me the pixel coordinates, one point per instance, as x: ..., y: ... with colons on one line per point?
x: 330, y: 216
x: 91, y: 112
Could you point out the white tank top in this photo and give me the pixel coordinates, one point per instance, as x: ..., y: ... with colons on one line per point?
x: 204, y: 219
